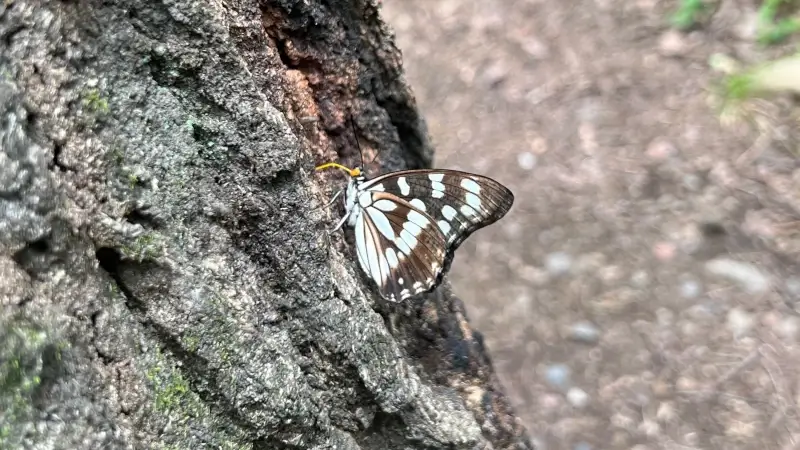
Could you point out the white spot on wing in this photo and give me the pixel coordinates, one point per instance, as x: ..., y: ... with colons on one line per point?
x: 444, y: 226
x: 409, y: 239
x: 448, y: 212
x: 384, y: 268
x: 405, y: 189
x: 361, y: 245
x: 412, y: 228
x: 468, y: 211
x: 405, y: 249
x: 364, y: 199
x: 419, y: 204
x: 377, y: 187
x: 372, y: 255
x: 400, y: 281
x: 418, y: 219
x: 474, y: 201
x: 381, y: 223
x: 391, y: 258
x: 385, y: 205
x: 436, y: 184
x: 471, y: 186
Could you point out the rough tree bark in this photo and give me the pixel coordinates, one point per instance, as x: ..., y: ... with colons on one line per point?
x: 165, y: 278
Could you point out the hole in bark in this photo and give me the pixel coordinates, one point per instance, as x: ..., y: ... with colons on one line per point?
x: 109, y: 259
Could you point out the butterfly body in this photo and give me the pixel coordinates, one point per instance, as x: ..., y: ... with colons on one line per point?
x: 408, y: 224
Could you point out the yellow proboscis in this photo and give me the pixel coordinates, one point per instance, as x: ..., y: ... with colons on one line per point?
x: 352, y: 172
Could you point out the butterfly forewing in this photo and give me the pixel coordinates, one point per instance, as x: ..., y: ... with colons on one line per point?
x: 406, y: 237
x: 459, y: 202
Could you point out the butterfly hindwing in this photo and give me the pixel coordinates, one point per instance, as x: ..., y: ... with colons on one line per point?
x: 399, y: 246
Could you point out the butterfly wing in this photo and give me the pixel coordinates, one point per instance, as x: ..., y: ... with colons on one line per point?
x: 416, y: 221
x: 460, y: 202
x: 398, y: 246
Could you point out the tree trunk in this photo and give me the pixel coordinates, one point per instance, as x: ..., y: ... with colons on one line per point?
x: 166, y: 277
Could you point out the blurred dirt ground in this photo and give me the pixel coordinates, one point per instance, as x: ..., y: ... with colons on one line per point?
x: 642, y: 293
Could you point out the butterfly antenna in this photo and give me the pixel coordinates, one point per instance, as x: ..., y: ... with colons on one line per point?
x: 355, y: 136
x: 376, y: 157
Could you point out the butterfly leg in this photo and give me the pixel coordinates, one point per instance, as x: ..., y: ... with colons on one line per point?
x: 341, y: 222
x: 333, y: 199
x: 327, y: 204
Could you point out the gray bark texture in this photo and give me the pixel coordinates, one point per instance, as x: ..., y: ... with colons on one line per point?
x: 167, y: 280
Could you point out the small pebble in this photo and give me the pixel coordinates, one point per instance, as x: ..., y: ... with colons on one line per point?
x: 558, y: 376
x: 584, y: 331
x: 536, y: 48
x: 672, y: 43
x: 789, y: 328
x: 689, y: 330
x: 640, y: 279
x: 535, y: 275
x: 664, y: 251
x: 692, y: 182
x: 739, y: 322
x: 494, y: 74
x: 538, y: 442
x: 702, y: 311
x: 650, y: 428
x: 550, y: 401
x: 660, y: 150
x: 748, y: 26
x: 622, y: 420
x: 590, y: 262
x: 666, y: 412
x: 665, y: 317
x: 558, y: 263
x: 609, y: 275
x: 661, y: 389
x: 771, y: 320
x: 690, y: 289
x: 526, y: 160
x: 577, y: 397
x: 746, y: 275
x: 686, y: 384
x: 690, y: 239
x: 793, y: 286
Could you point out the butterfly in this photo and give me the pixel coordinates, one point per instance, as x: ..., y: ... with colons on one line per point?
x: 409, y: 223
